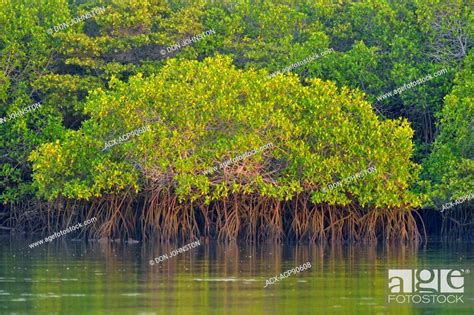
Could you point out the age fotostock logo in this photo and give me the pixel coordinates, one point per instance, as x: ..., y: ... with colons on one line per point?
x: 426, y: 285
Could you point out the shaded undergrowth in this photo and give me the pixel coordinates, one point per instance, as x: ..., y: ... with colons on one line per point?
x: 160, y: 215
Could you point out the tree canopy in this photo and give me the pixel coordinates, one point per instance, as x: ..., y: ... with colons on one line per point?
x: 212, y: 100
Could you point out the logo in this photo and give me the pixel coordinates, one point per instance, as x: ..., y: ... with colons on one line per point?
x: 426, y: 285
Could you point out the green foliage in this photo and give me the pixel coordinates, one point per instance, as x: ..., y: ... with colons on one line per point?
x: 25, y: 54
x: 202, y: 114
x: 450, y: 168
x: 379, y: 45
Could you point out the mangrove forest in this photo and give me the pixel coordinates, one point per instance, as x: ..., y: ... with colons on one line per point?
x: 302, y: 121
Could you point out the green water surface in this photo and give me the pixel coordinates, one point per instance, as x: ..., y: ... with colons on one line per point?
x: 68, y: 277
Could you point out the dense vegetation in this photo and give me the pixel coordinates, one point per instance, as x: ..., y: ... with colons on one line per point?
x: 213, y: 100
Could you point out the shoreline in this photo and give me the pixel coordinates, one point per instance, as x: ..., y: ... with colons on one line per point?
x: 337, y: 225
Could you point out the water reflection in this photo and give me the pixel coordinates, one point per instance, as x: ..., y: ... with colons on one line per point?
x: 67, y: 277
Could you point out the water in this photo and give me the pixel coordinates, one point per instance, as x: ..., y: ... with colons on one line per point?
x: 67, y: 277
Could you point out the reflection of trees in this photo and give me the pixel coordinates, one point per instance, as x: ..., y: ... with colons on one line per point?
x: 210, y: 278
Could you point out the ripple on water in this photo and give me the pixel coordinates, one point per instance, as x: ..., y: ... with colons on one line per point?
x: 217, y: 280
x: 7, y: 279
x: 53, y: 295
x: 132, y: 294
x: 18, y: 300
x: 369, y: 303
x: 49, y: 295
x: 48, y: 280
